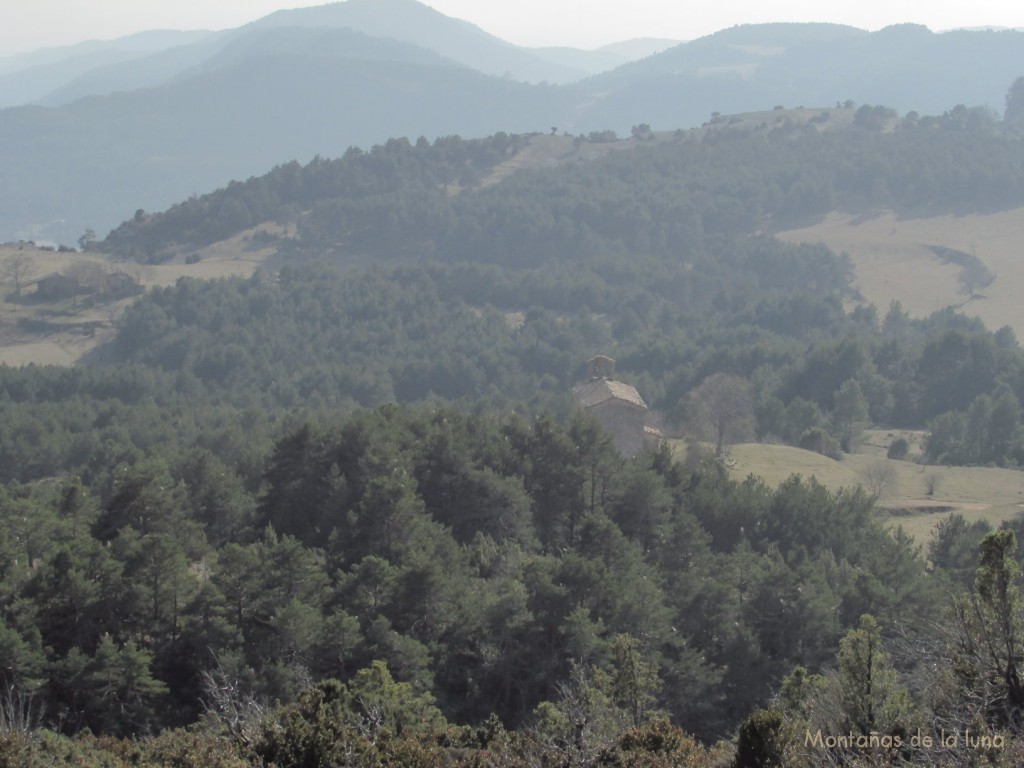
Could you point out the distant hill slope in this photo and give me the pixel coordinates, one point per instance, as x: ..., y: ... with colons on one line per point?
x: 147, y: 71
x: 34, y: 77
x: 750, y: 67
x: 275, y: 93
x: 606, y: 57
x: 776, y: 169
x: 896, y: 258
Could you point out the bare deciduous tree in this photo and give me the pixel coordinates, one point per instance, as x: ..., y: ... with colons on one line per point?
x: 18, y: 268
x: 236, y: 709
x: 90, y: 275
x: 721, y: 409
x: 878, y: 477
x: 18, y: 711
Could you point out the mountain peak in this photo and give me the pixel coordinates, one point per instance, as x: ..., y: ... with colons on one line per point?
x: 410, y: 21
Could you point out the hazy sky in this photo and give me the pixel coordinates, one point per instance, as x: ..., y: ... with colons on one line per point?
x: 29, y: 24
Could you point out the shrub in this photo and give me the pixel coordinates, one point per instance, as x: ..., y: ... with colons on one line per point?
x: 762, y: 741
x: 898, y: 449
x: 656, y: 745
x: 818, y: 440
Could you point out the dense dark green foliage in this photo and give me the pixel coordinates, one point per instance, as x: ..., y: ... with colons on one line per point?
x: 317, y: 337
x: 479, y: 558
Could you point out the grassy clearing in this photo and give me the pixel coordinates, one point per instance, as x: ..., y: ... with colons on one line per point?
x: 895, y: 259
x: 977, y: 493
x: 545, y: 151
x: 238, y: 256
x: 78, y: 326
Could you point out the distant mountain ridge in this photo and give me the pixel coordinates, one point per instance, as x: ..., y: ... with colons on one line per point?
x: 184, y: 119
x: 140, y: 42
x: 148, y: 71
x: 906, y: 67
x: 412, y: 22
x: 59, y: 76
x: 32, y: 77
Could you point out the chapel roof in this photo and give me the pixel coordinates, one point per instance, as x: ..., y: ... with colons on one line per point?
x: 601, y: 390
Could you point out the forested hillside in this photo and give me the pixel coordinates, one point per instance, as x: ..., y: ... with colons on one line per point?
x: 340, y: 512
x: 664, y: 197
x: 657, y: 254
